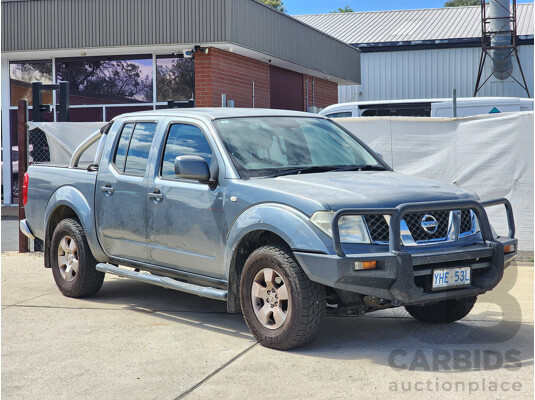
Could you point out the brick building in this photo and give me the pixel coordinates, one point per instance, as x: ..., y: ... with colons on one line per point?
x: 132, y: 55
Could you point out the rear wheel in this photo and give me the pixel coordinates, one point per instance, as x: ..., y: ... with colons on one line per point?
x: 73, y: 265
x: 281, y: 306
x: 443, y: 311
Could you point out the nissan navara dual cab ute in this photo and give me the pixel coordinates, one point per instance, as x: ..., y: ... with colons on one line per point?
x: 284, y: 215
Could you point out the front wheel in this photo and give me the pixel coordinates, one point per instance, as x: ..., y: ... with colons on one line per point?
x: 73, y: 264
x: 282, y: 307
x: 444, y: 311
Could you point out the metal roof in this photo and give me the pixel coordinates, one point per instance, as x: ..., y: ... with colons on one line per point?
x: 411, y: 25
x: 48, y: 25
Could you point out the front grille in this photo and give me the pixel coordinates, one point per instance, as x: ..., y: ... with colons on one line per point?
x: 466, y: 221
x: 419, y: 234
x: 378, y: 228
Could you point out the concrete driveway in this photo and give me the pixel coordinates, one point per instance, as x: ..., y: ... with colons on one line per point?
x: 135, y: 341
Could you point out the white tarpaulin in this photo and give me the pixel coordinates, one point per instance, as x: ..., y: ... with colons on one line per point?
x: 491, y: 155
x: 64, y: 137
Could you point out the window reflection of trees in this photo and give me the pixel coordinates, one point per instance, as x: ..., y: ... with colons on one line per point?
x: 183, y: 140
x: 109, y: 81
x: 21, y: 76
x: 175, y: 78
x: 138, y: 151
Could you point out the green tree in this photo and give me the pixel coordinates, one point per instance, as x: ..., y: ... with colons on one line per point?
x: 461, y: 3
x: 346, y: 9
x: 276, y: 4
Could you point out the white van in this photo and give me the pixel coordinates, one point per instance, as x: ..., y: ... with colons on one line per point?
x: 466, y: 106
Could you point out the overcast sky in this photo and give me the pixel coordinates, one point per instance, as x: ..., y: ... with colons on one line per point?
x: 299, y: 7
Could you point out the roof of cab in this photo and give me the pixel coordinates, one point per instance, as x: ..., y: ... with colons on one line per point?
x: 218, y: 113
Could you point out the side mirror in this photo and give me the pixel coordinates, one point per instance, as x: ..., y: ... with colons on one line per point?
x: 192, y: 167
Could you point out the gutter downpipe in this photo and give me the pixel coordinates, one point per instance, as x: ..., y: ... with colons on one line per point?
x: 306, y: 108
x: 313, y: 94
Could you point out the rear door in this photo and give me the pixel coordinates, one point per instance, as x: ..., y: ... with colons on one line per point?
x: 121, y: 191
x: 185, y: 222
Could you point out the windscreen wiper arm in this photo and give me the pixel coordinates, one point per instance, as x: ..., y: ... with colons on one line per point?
x: 313, y: 168
x: 365, y: 167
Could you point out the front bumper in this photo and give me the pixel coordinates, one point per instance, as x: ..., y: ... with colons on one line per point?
x: 403, y: 276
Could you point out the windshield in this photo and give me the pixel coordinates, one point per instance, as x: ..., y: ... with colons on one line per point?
x: 271, y: 146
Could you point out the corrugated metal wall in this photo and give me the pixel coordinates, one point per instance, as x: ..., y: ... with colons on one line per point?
x: 257, y: 27
x: 78, y: 24
x: 422, y: 74
x: 60, y: 24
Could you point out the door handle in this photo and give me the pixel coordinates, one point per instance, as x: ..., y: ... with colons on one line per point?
x: 107, y: 189
x: 156, y: 196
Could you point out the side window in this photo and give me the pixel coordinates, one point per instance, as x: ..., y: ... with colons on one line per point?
x: 138, y: 152
x: 133, y: 148
x: 343, y: 114
x: 122, y: 147
x: 183, y: 140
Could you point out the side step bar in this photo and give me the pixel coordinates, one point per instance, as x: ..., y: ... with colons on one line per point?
x: 163, y: 281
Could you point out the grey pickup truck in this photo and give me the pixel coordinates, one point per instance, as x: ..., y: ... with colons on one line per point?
x: 285, y: 215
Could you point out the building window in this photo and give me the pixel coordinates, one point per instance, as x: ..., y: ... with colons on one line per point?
x: 21, y: 76
x: 106, y: 80
x: 175, y: 78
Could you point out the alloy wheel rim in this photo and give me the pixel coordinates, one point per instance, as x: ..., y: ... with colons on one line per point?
x: 269, y: 295
x: 68, y: 261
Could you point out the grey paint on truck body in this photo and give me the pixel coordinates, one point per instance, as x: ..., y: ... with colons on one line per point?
x: 281, y: 205
x: 262, y: 203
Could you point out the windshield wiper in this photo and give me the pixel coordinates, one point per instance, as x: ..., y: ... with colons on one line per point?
x: 365, y: 167
x: 302, y: 170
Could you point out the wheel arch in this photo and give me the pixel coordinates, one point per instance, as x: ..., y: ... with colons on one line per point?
x: 261, y: 225
x: 69, y: 202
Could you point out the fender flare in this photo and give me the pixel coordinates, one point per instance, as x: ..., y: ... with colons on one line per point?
x: 74, y: 199
x: 296, y: 229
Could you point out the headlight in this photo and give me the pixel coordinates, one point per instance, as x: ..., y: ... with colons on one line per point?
x: 352, y: 227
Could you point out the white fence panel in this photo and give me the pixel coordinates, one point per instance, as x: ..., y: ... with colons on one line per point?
x: 491, y: 155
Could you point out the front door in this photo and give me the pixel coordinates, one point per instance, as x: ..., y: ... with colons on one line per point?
x: 121, y: 192
x: 185, y: 217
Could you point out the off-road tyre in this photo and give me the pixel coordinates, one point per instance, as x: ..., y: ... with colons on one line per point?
x: 444, y: 311
x: 306, y: 304
x: 87, y: 280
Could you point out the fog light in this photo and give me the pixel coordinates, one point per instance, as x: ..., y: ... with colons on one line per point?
x: 365, y: 264
x: 509, y: 248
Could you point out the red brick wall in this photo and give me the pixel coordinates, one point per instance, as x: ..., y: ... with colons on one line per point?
x: 325, y: 92
x: 221, y: 72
